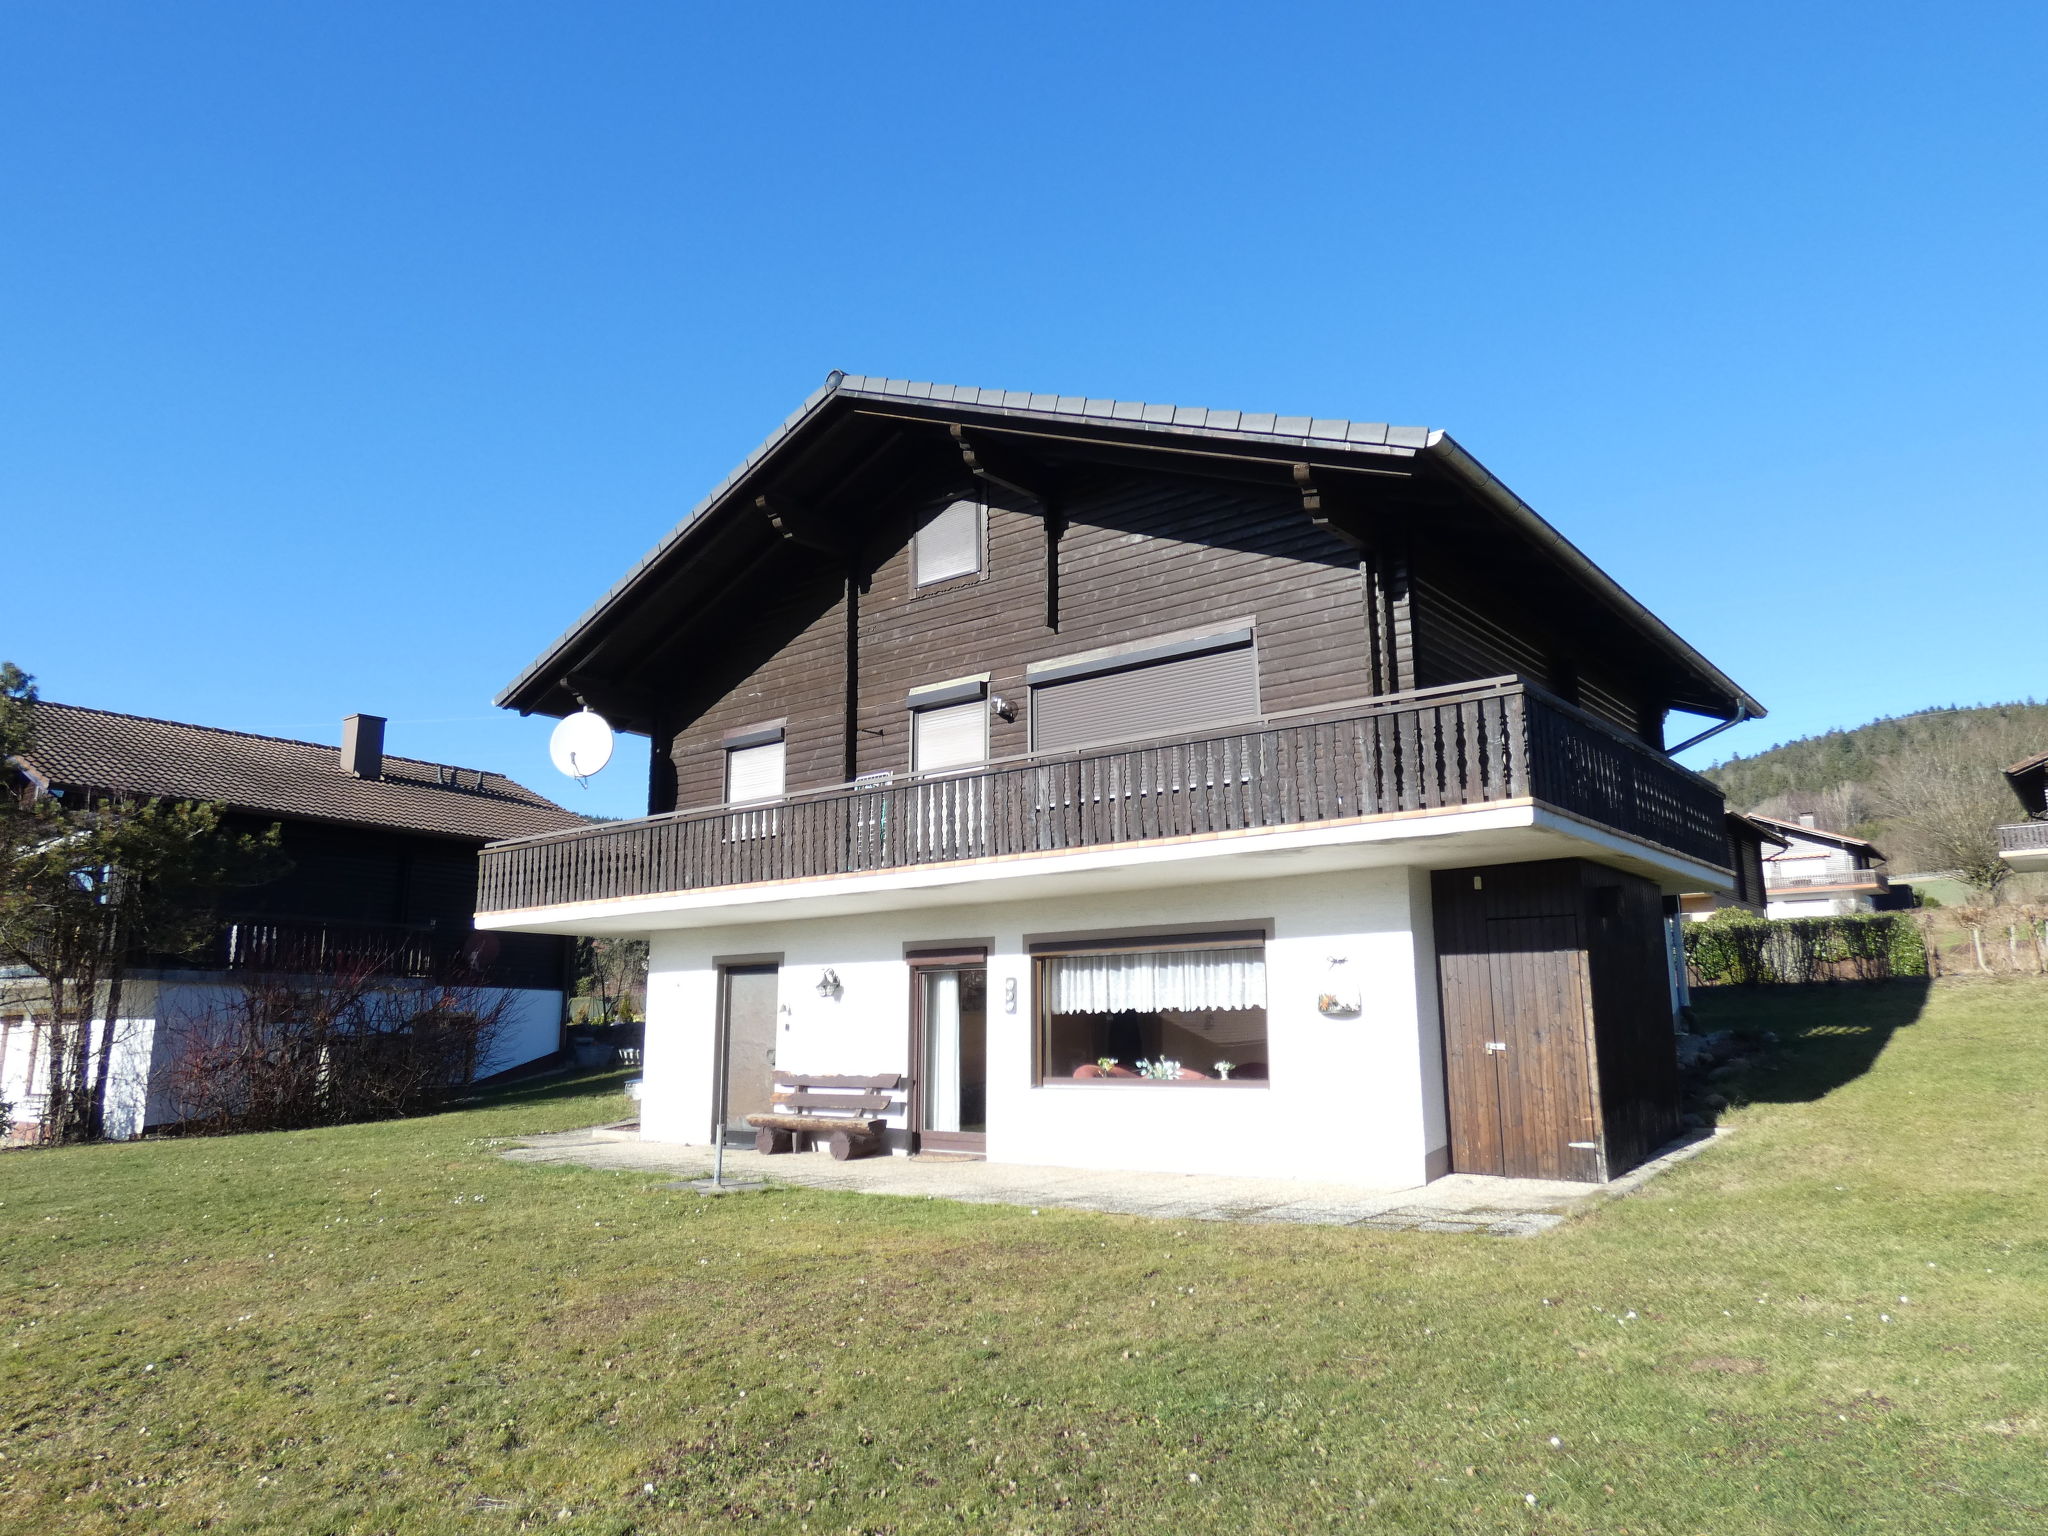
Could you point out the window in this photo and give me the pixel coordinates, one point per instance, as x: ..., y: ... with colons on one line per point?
x: 1186, y: 1012
x: 753, y: 772
x: 949, y: 545
x: 1158, y: 689
x: 950, y: 736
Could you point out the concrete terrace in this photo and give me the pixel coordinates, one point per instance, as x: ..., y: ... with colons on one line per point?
x: 1462, y: 1202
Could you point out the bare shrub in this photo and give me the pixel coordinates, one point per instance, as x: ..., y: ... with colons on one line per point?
x: 281, y: 1052
x: 1947, y: 799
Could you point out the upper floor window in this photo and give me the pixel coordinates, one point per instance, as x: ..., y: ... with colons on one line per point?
x: 1160, y: 687
x: 950, y: 737
x: 949, y: 545
x: 754, y: 765
x: 949, y: 724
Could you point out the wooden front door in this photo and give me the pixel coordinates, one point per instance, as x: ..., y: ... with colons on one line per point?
x: 1517, y: 1018
x: 746, y: 1046
x: 949, y: 1053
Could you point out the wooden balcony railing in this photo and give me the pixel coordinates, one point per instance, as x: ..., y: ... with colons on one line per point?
x: 1840, y: 879
x: 307, y: 947
x: 1460, y: 746
x: 2025, y: 837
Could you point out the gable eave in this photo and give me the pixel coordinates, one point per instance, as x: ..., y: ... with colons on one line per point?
x: 542, y: 687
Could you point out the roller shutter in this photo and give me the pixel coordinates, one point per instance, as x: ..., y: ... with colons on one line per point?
x: 753, y: 773
x: 1160, y: 698
x: 951, y: 736
x: 950, y: 544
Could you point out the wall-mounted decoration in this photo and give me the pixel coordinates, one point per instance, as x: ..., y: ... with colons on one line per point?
x: 828, y: 983
x: 1339, y: 999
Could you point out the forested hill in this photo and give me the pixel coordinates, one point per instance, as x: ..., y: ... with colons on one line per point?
x: 1882, y: 780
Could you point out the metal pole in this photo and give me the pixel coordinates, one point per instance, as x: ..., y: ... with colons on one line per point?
x: 718, y: 1156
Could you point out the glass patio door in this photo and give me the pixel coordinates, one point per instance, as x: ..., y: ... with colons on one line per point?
x: 949, y: 1052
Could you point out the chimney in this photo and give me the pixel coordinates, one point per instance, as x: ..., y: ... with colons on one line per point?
x: 362, y: 746
x: 1805, y: 817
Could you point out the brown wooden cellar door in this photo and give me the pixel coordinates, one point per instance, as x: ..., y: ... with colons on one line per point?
x: 1517, y: 1016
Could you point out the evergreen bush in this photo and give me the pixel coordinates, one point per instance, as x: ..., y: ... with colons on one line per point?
x: 1735, y: 948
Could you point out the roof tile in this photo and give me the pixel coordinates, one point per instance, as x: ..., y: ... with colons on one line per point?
x: 131, y: 754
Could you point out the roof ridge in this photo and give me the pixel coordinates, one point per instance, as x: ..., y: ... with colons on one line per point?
x: 289, y: 741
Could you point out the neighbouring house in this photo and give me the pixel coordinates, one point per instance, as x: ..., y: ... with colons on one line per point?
x: 2024, y: 845
x: 1748, y: 837
x: 1128, y: 786
x: 1818, y: 873
x: 381, y: 875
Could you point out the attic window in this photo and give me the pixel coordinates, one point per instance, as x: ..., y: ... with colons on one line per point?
x: 949, y: 545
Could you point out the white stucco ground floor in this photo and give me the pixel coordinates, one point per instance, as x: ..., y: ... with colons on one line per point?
x: 1260, y: 1004
x: 1348, y: 1057
x: 161, y: 1013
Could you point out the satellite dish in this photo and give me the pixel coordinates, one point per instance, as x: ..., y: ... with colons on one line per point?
x: 581, y: 744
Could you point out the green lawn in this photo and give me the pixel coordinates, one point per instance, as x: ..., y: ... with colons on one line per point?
x: 1832, y: 1321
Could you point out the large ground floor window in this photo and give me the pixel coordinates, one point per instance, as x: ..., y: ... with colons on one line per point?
x: 1182, y: 1011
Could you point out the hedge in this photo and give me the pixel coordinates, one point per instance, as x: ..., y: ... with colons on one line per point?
x: 1735, y: 949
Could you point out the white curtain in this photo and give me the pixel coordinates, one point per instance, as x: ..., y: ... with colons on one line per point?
x: 1154, y: 981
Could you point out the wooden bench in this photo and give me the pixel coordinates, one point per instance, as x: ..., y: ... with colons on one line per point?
x: 846, y: 1111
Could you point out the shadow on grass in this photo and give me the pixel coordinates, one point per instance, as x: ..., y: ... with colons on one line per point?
x: 1827, y: 1035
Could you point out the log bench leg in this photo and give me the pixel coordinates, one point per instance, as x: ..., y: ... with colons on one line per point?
x: 851, y: 1144
x: 768, y: 1139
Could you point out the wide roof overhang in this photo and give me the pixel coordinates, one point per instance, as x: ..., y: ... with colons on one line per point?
x: 856, y: 438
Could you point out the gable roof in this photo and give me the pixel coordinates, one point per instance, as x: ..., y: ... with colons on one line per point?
x: 1324, y: 440
x: 1756, y: 825
x: 2029, y: 781
x: 1819, y: 835
x: 96, y: 749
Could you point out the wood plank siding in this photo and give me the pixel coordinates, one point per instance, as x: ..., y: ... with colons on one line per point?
x: 1557, y: 1019
x: 1139, y: 554
x: 1469, y: 745
x: 352, y: 897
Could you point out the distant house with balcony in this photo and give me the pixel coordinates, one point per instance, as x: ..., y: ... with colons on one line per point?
x: 1818, y: 873
x: 381, y: 880
x: 1748, y: 841
x: 1112, y: 785
x: 2024, y: 845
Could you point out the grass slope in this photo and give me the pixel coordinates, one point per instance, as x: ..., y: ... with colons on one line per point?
x: 1833, y: 1321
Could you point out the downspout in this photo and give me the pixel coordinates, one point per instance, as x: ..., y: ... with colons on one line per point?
x: 1742, y: 714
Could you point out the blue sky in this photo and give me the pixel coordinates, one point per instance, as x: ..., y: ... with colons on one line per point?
x: 347, y: 352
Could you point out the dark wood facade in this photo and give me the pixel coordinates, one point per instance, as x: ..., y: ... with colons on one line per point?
x: 1557, y: 1019
x: 374, y: 899
x: 831, y: 642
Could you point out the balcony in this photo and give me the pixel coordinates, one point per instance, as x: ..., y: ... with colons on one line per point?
x: 421, y: 951
x: 1834, y: 882
x: 1421, y: 753
x: 2025, y: 845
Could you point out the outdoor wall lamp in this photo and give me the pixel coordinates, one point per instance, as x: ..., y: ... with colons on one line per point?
x: 828, y: 983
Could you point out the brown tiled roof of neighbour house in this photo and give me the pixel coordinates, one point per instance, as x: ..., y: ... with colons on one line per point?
x: 94, y: 749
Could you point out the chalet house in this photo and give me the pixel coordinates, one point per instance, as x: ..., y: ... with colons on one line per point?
x: 2024, y: 845
x: 1818, y: 873
x: 1115, y: 785
x: 382, y: 874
